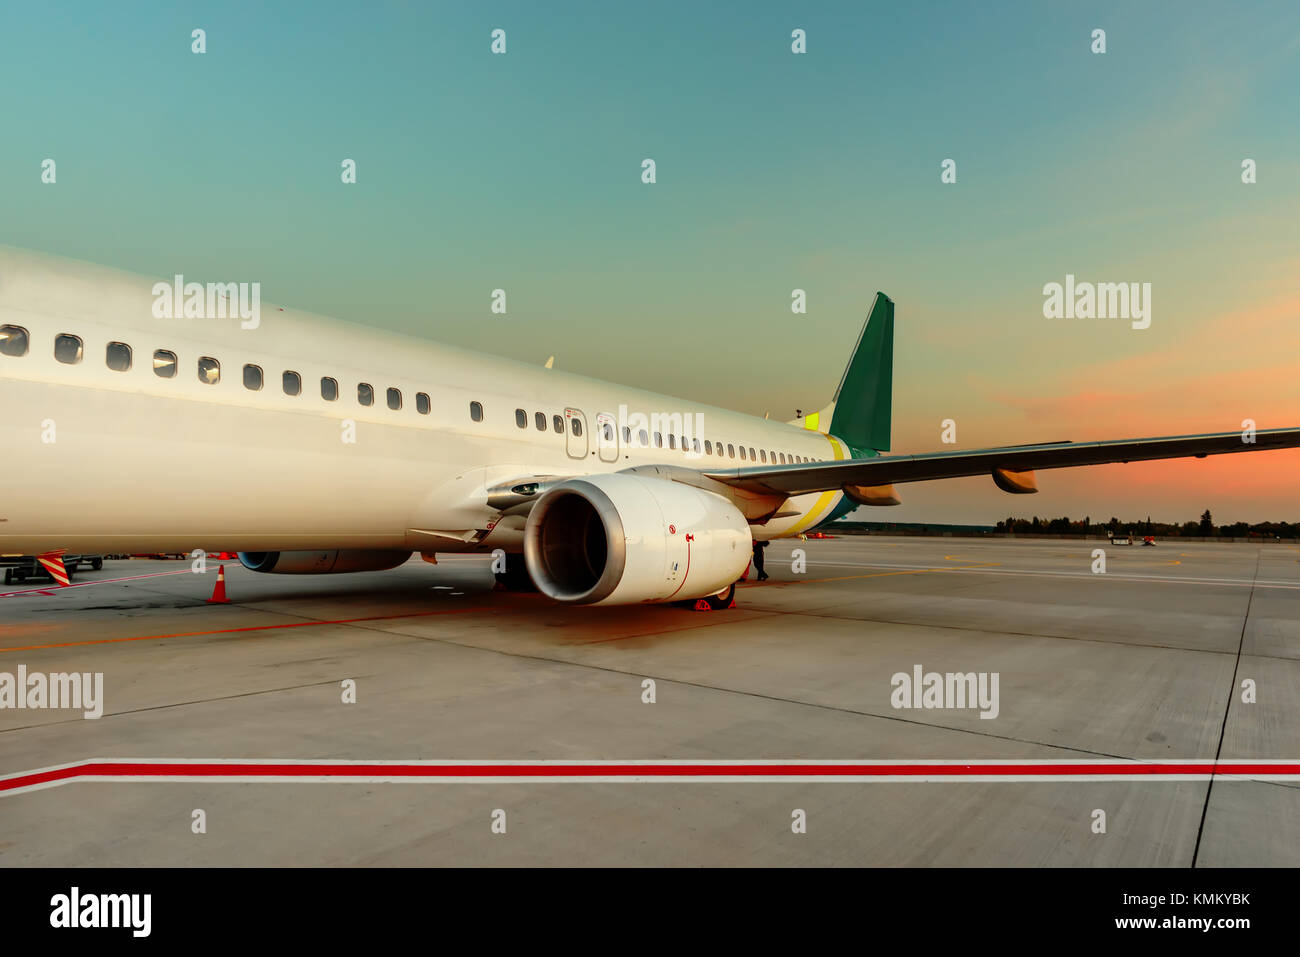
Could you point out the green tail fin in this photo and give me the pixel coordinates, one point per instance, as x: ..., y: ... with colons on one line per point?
x: 863, y: 404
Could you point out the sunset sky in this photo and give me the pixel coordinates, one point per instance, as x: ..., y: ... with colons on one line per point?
x: 775, y: 171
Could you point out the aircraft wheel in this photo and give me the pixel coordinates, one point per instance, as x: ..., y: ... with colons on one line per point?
x: 723, y: 599
x: 97, y: 564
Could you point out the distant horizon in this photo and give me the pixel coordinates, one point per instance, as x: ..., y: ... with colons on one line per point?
x: 853, y: 517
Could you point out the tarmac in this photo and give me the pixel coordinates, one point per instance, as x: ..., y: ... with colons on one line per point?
x: 1177, y: 652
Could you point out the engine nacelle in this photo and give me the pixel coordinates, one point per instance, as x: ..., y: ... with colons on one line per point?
x: 322, y: 563
x: 620, y: 538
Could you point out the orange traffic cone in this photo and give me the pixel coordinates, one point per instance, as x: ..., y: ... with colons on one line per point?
x: 219, y: 592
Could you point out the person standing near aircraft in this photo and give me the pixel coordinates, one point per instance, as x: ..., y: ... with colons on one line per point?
x: 758, y: 560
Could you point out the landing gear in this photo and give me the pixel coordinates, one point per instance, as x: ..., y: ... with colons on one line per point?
x: 515, y: 577
x: 721, y: 601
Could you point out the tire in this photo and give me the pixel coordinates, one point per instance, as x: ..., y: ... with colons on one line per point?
x: 722, y: 601
x: 516, y: 577
x: 97, y: 564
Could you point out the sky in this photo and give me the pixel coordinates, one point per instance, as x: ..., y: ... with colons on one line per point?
x: 775, y: 171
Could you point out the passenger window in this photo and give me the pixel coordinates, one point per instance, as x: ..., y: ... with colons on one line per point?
x: 476, y: 411
x: 209, y: 370
x: 672, y: 441
x: 644, y: 438
x: 659, y: 440
x: 752, y: 456
x: 685, y: 444
x: 292, y: 383
x: 67, y: 349
x: 708, y: 446
x: 695, y: 444
x: 13, y: 340
x: 164, y: 363
x: 558, y: 423
x: 365, y: 393
x: 422, y: 403
x: 576, y: 426
x: 395, y: 399
x: 607, y: 432
x: 118, y: 356
x: 521, y: 418
x: 742, y: 452
x: 329, y: 388
x: 627, y: 435
x: 762, y: 456
x: 731, y: 450
x: 540, y: 419
x: 252, y: 377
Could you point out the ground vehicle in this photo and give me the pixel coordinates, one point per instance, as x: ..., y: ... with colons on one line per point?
x: 19, y: 568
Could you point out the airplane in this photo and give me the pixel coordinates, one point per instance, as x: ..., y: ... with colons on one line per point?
x: 309, y: 445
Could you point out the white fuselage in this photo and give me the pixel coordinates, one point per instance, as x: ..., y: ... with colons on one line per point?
x: 106, y: 460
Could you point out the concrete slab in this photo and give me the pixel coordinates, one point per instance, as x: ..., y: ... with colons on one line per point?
x: 1142, y: 662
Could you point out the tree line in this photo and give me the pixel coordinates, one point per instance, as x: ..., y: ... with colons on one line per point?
x: 1203, y: 528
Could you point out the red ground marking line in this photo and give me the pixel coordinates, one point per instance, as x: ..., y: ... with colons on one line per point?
x: 343, y: 770
x: 230, y: 631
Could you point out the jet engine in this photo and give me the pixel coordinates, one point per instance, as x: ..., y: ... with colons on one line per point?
x: 621, y: 538
x: 322, y: 563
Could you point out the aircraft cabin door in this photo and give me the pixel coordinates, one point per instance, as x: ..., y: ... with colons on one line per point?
x: 576, y: 436
x: 606, y: 437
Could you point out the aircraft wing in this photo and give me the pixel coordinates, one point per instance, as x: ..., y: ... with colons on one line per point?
x: 889, y: 469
